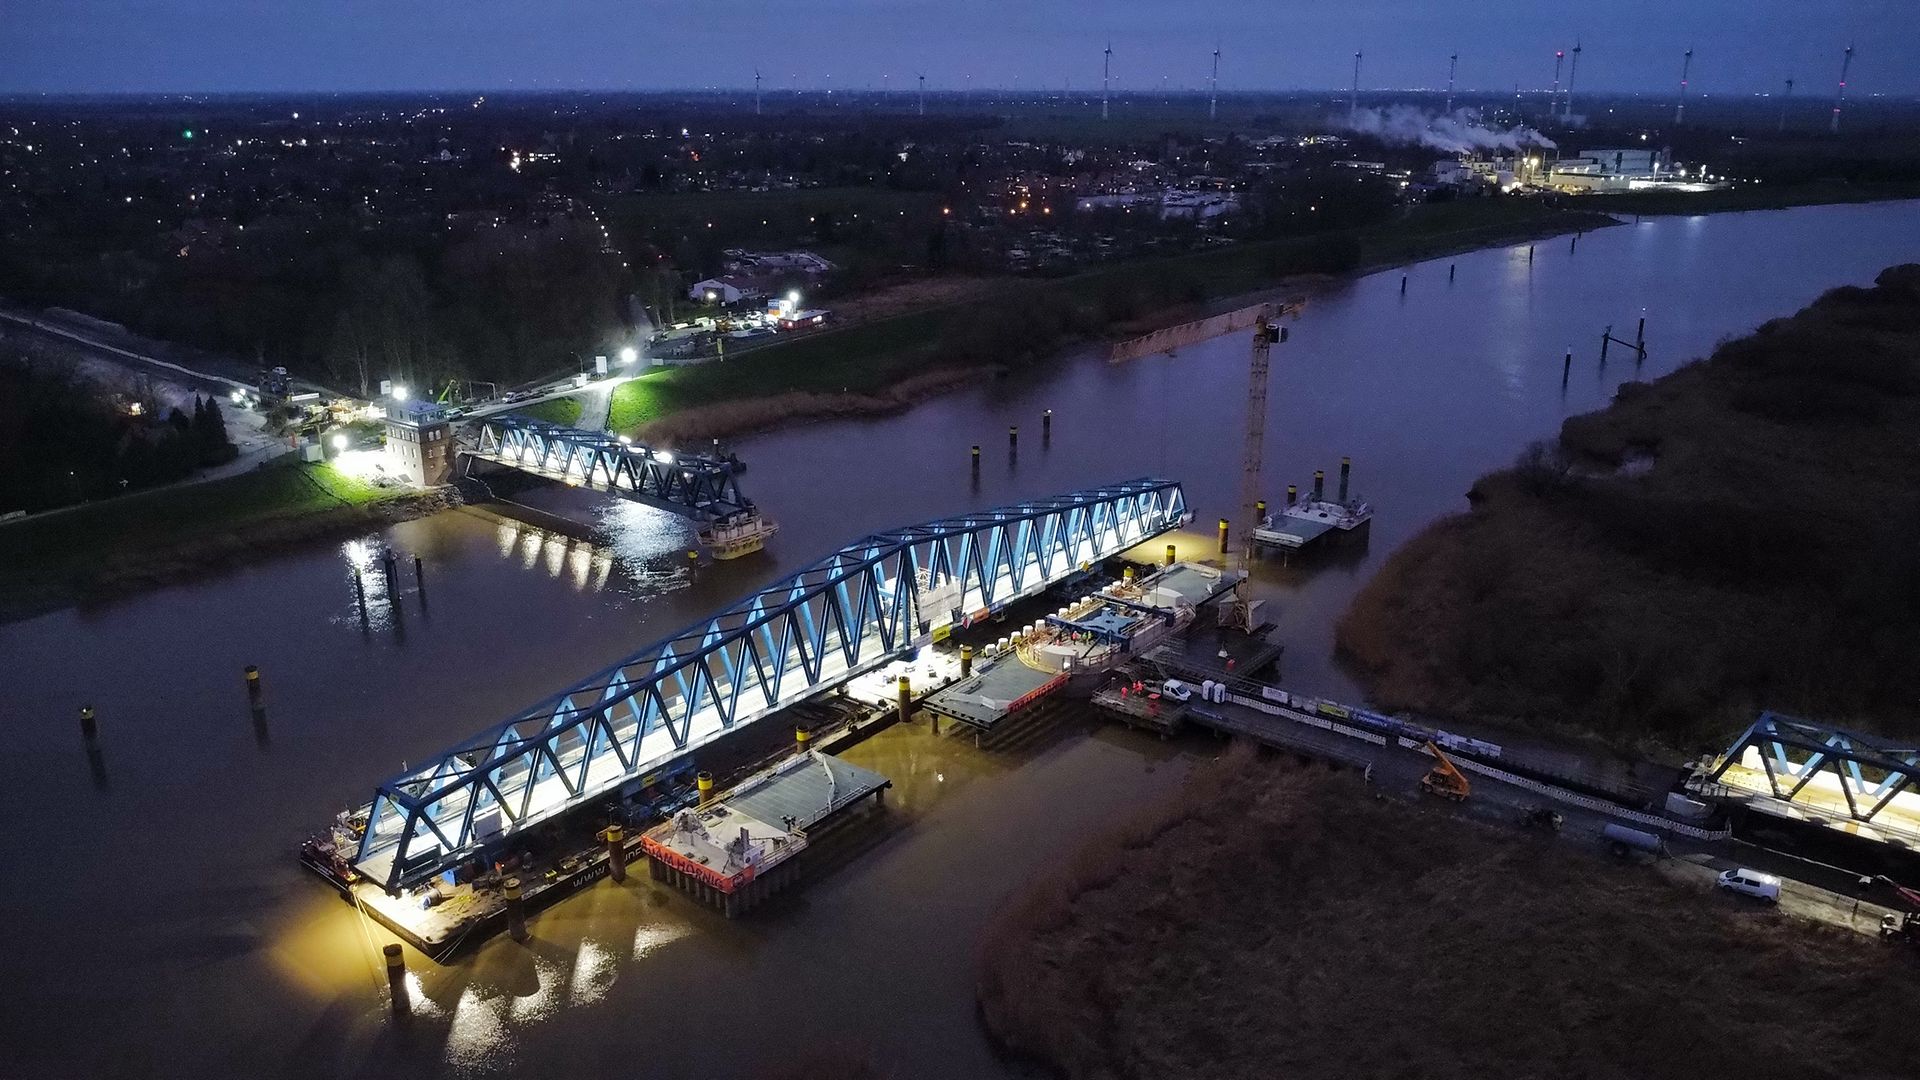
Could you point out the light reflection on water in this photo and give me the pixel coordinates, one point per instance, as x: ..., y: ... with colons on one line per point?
x: 1425, y: 392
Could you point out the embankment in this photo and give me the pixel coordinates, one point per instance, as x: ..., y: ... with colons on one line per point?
x: 1280, y: 921
x: 876, y: 366
x: 1738, y: 535
x: 730, y: 418
x: 103, y: 551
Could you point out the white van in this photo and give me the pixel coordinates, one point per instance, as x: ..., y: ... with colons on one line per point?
x: 1751, y: 883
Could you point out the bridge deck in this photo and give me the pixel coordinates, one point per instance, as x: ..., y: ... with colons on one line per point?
x: 700, y: 486
x: 872, y: 601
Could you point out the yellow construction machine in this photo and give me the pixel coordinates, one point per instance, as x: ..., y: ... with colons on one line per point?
x: 1445, y: 778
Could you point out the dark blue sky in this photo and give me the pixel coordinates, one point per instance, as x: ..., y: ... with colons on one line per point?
x: 66, y: 46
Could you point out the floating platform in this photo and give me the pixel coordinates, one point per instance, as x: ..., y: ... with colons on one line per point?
x: 1196, y: 656
x: 1304, y: 524
x: 996, y: 690
x: 1316, y: 520
x: 744, y: 846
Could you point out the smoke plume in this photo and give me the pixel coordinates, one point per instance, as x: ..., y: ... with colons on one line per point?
x: 1457, y: 132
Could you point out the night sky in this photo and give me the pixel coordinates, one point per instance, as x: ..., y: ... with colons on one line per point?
x: 1742, y: 46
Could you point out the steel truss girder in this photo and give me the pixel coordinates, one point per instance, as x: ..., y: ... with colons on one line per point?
x: 697, y: 485
x: 870, y: 602
x: 1847, y: 755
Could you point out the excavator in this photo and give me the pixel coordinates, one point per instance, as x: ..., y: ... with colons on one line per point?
x: 1445, y: 778
x: 1901, y: 925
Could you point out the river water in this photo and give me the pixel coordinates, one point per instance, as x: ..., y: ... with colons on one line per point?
x: 158, y: 925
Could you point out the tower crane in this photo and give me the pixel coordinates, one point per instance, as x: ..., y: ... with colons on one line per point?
x: 1267, y: 332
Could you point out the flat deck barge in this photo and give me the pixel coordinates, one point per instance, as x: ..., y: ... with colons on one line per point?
x: 743, y: 847
x: 1302, y: 524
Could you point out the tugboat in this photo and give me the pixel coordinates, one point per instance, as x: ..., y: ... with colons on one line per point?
x: 740, y: 534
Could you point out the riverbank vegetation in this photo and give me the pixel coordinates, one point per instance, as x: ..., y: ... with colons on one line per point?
x: 1029, y: 321
x: 64, y: 439
x: 1738, y: 535
x: 101, y: 549
x: 1273, y: 920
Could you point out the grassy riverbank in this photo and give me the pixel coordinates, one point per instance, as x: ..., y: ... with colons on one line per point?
x: 1279, y: 921
x: 1029, y: 320
x: 1753, y: 197
x: 103, y: 549
x: 1738, y: 535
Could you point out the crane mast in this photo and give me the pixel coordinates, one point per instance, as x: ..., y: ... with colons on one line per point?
x: 1267, y: 332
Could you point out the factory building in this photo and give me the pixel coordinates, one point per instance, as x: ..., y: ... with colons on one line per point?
x: 1611, y: 170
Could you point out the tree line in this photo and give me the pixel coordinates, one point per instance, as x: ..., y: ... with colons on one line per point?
x: 63, y: 441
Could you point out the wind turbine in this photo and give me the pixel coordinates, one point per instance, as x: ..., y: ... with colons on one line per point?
x: 1783, y: 104
x: 1213, y: 91
x: 1573, y: 69
x: 1840, y: 95
x: 1680, y: 110
x: 923, y: 95
x: 756, y: 91
x: 1353, y: 103
x: 1106, y: 69
x: 1453, y: 65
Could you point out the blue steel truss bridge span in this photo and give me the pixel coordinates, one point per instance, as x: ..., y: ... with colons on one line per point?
x: 699, y: 486
x: 873, y: 601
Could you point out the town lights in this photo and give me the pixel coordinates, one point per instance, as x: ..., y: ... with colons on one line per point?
x: 629, y: 354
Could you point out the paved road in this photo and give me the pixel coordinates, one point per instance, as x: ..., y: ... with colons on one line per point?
x: 596, y: 401
x: 1810, y: 891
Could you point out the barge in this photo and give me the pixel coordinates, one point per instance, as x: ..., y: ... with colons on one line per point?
x: 1317, y: 520
x: 739, y: 849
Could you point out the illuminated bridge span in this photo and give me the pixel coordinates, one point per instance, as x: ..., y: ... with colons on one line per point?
x: 862, y: 606
x: 1823, y: 773
x: 696, y: 485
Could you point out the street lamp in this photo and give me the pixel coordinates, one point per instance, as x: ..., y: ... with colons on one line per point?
x: 399, y: 392
x: 340, y: 441
x: 629, y: 354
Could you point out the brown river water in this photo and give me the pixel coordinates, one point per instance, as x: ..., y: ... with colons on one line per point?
x: 157, y: 924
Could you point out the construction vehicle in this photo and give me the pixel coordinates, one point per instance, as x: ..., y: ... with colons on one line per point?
x: 1445, y: 778
x: 1901, y: 925
x: 1545, y: 817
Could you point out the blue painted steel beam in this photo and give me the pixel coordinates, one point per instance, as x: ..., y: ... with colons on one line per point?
x: 868, y: 603
x: 697, y: 485
x: 1849, y: 755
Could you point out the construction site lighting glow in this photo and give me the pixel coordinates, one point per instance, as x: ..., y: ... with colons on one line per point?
x: 339, y: 441
x: 629, y: 354
x: 399, y: 392
x: 360, y: 464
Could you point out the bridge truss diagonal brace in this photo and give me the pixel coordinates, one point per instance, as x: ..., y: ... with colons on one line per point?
x: 1868, y: 772
x: 700, y: 486
x: 870, y: 602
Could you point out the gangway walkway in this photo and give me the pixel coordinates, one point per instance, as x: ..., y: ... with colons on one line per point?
x: 873, y: 601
